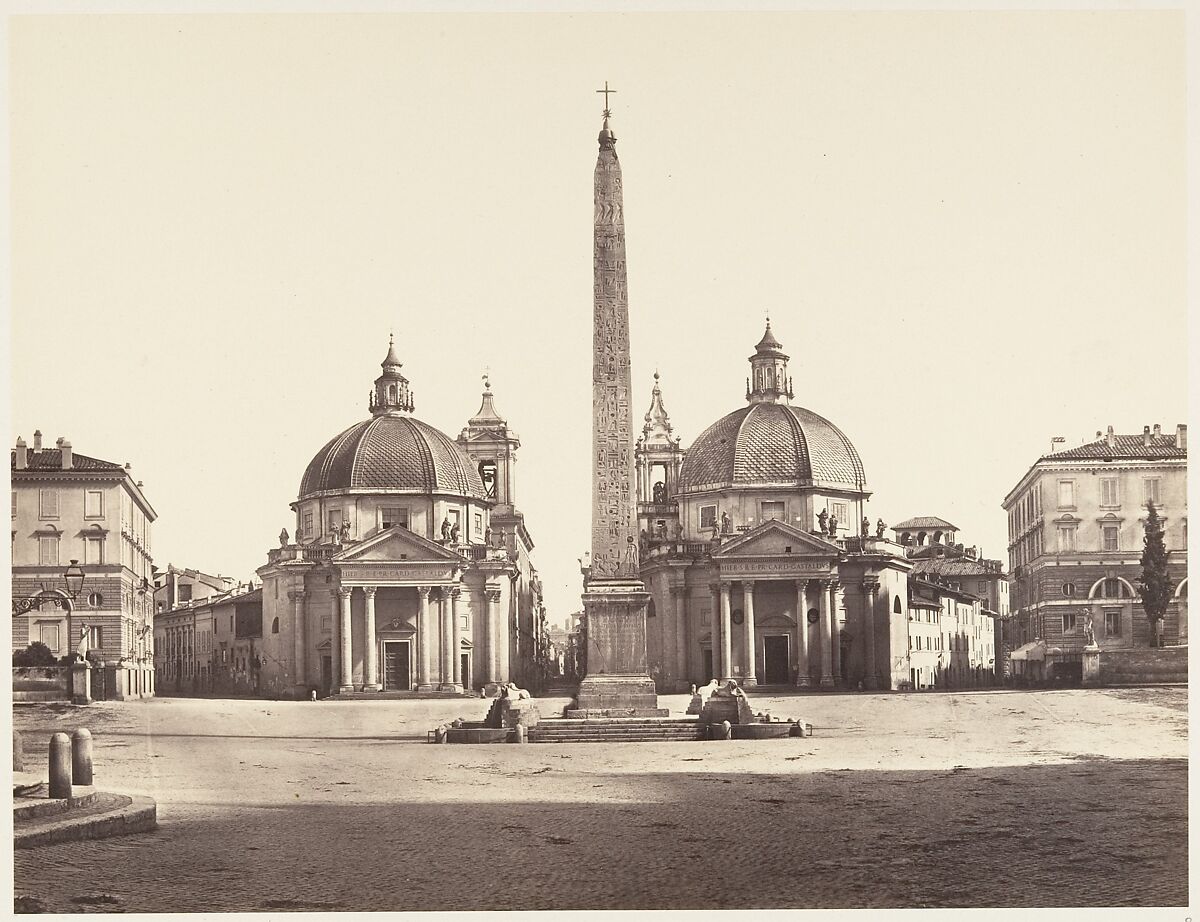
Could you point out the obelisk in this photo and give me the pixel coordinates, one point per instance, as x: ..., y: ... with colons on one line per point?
x: 614, y: 598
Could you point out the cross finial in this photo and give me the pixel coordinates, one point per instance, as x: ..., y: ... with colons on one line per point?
x: 487, y: 372
x: 606, y: 91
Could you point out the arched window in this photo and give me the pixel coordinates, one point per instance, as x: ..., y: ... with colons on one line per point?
x: 275, y: 626
x: 95, y: 600
x: 487, y: 473
x: 937, y: 537
x: 1113, y: 588
x: 391, y: 393
x: 897, y: 607
x: 920, y: 537
x: 650, y: 611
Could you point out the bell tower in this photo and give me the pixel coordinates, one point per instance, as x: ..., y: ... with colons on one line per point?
x: 658, y: 456
x: 492, y: 446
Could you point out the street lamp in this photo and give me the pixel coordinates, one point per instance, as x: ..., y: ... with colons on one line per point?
x: 72, y: 577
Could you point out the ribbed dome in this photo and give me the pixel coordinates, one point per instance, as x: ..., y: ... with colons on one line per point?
x: 394, y: 453
x: 771, y: 444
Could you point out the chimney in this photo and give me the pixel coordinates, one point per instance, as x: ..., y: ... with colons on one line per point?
x: 1181, y: 436
x: 37, y: 440
x: 1157, y: 429
x: 22, y: 455
x: 68, y: 456
x: 1146, y: 436
x: 1109, y: 438
x: 1099, y: 434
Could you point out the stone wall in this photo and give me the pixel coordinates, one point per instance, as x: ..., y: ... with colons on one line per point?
x: 1143, y: 665
x: 40, y: 683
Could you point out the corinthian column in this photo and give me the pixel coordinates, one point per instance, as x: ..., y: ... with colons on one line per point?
x: 460, y: 682
x: 346, y: 672
x: 749, y: 676
x: 497, y: 645
x: 679, y: 594
x: 726, y: 634
x: 425, y: 642
x: 803, y: 679
x: 370, y: 668
x: 826, y: 636
x: 870, y: 589
x: 335, y: 657
x: 449, y: 682
x: 300, y: 648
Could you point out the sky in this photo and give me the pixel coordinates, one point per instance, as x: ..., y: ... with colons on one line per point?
x: 968, y: 229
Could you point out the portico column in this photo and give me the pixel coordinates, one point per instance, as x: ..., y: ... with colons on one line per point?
x: 335, y: 658
x: 835, y: 652
x: 346, y: 671
x: 370, y: 669
x: 460, y: 681
x: 826, y: 637
x: 679, y: 593
x: 493, y: 634
x: 749, y: 676
x: 504, y: 638
x: 726, y: 636
x: 425, y: 641
x: 449, y: 682
x: 803, y: 680
x: 714, y: 591
x: 869, y: 590
x: 299, y: 647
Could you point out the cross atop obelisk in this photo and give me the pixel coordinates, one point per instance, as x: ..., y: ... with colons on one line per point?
x: 606, y: 91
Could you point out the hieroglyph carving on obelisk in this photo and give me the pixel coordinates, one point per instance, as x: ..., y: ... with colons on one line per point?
x: 614, y: 520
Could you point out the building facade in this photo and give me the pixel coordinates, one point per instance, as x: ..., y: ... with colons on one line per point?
x: 410, y: 567
x: 67, y: 506
x: 753, y: 553
x: 177, y: 586
x: 1076, y: 522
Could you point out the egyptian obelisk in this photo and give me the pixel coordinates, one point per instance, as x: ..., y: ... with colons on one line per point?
x: 614, y: 598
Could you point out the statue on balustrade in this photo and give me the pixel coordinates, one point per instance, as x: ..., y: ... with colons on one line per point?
x: 866, y: 527
x: 880, y: 528
x: 726, y: 528
x: 833, y: 526
x: 823, y: 521
x: 660, y: 492
x: 446, y: 526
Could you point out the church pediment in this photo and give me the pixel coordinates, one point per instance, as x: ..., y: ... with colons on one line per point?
x: 774, y: 538
x: 396, y: 544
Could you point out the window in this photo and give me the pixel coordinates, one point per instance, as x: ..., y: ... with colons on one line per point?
x: 93, y: 504
x: 1112, y: 622
x: 93, y: 550
x: 48, y: 634
x: 1066, y: 494
x: 393, y: 515
x: 1108, y: 492
x: 95, y: 600
x: 708, y: 516
x: 308, y: 523
x: 185, y: 592
x: 1113, y: 588
x: 1068, y: 622
x: 487, y: 473
x: 275, y: 626
x: 772, y: 510
x: 466, y: 622
x: 838, y: 511
x: 1066, y: 538
x: 48, y: 550
x: 95, y: 637
x: 1112, y: 537
x: 48, y: 504
x: 478, y: 524
x: 896, y: 606
x: 1150, y: 490
x: 1068, y: 589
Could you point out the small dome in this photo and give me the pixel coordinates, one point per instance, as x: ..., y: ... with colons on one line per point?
x: 393, y: 453
x: 771, y: 444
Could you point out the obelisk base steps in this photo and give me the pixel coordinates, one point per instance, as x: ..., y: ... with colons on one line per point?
x: 617, y: 683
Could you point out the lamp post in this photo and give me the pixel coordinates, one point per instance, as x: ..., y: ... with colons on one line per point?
x: 73, y: 578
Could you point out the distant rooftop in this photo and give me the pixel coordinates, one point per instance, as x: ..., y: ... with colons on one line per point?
x: 925, y: 521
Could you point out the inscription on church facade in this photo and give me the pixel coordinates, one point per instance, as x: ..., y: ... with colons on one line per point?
x: 614, y: 529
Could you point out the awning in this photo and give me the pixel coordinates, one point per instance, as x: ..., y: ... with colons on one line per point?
x: 1036, y: 650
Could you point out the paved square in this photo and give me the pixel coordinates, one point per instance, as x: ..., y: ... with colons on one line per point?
x: 989, y: 798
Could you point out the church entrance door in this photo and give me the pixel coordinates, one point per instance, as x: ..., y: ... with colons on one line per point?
x: 708, y: 666
x: 396, y: 666
x: 326, y: 675
x: 776, y: 660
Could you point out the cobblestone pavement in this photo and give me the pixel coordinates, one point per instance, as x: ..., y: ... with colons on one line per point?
x: 1051, y: 798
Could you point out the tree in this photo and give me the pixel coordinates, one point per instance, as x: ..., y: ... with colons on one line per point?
x: 1155, y: 582
x: 36, y: 654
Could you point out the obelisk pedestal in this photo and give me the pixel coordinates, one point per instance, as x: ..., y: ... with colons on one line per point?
x: 617, y: 683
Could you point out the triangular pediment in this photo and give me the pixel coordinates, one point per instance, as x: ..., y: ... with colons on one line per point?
x: 776, y: 539
x: 394, y: 544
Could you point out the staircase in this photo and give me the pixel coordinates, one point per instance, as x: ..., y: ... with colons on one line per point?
x: 617, y: 730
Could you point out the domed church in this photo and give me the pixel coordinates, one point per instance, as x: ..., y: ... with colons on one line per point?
x: 409, y: 569
x: 753, y: 548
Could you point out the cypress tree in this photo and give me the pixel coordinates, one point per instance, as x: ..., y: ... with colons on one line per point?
x: 1155, y: 582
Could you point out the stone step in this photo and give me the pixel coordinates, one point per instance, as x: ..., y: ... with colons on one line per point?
x: 559, y: 736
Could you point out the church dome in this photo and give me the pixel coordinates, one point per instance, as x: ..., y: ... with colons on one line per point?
x: 771, y: 444
x: 396, y: 454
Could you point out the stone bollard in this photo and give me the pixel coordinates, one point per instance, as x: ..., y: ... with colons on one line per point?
x: 725, y: 732
x: 81, y: 756
x: 521, y: 733
x: 60, y: 765
x: 18, y: 752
